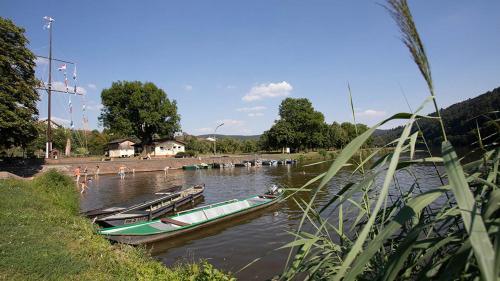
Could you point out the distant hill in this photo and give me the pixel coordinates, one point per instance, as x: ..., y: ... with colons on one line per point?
x: 238, y: 137
x: 460, y: 122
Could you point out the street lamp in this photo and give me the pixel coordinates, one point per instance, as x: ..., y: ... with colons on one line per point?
x: 215, y: 139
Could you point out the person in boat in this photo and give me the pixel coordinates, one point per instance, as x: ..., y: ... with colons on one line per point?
x: 76, y: 173
x: 121, y: 171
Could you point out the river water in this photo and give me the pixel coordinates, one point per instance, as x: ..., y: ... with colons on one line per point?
x: 232, y: 245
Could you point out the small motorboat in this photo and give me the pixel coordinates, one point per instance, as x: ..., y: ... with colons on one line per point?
x: 190, y: 167
x: 190, y: 220
x: 204, y: 166
x: 146, y: 211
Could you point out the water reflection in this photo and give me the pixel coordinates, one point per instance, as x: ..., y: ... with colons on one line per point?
x: 232, y: 245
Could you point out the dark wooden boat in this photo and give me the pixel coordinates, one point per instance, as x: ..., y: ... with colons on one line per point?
x: 115, y: 209
x: 190, y: 220
x: 146, y: 211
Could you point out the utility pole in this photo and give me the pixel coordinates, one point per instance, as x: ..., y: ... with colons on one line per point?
x: 48, y: 146
x: 215, y: 139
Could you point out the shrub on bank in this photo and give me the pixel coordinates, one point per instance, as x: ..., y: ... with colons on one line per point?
x: 43, y: 237
x: 186, y: 154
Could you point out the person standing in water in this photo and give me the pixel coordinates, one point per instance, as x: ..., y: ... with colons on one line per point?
x: 121, y: 171
x: 85, y: 173
x: 97, y: 170
x: 76, y: 173
x: 83, y: 186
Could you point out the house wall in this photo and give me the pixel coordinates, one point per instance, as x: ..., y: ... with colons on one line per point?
x: 168, y: 148
x: 124, y: 149
x: 121, y: 152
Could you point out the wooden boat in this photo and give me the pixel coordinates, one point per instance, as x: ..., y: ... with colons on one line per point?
x: 115, y: 209
x: 148, y: 210
x: 190, y: 220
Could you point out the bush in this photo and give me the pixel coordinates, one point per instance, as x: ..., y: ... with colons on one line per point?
x: 322, y: 152
x: 186, y: 154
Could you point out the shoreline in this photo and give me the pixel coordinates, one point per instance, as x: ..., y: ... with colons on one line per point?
x: 28, y: 168
x: 47, y: 238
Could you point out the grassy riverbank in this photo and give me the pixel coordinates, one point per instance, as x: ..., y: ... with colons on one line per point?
x: 44, y: 238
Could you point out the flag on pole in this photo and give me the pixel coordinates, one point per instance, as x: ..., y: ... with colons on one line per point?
x: 74, y: 78
x: 49, y: 22
x: 63, y: 67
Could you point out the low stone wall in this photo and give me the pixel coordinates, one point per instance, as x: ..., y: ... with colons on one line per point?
x: 139, y: 165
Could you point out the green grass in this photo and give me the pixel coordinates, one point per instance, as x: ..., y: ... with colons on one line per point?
x: 410, y: 235
x: 44, y: 238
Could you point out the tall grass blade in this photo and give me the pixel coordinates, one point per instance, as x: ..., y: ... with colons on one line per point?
x: 358, y: 245
x: 481, y: 244
x: 400, y: 12
x: 412, y: 209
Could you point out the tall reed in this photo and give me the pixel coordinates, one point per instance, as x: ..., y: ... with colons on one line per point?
x: 419, y: 234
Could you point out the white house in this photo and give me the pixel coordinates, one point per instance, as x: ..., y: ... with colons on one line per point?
x: 121, y: 148
x: 165, y: 147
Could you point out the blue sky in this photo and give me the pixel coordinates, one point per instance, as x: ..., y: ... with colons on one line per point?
x: 234, y: 61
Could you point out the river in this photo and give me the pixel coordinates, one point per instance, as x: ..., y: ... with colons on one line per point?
x: 232, y: 245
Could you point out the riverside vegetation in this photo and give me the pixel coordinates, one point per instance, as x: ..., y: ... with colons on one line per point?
x: 44, y: 238
x: 445, y: 232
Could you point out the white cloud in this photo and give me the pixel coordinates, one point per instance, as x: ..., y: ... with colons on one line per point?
x: 188, y: 88
x: 94, y: 106
x: 269, y: 90
x: 231, y: 122
x: 41, y: 61
x: 204, y: 130
x: 59, y: 86
x: 91, y: 86
x: 256, y: 114
x: 371, y: 113
x: 229, y: 87
x: 58, y: 120
x: 251, y: 109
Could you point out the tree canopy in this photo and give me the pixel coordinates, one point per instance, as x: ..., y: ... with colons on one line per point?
x: 138, y: 109
x: 18, y: 95
x: 459, y: 121
x: 302, y: 127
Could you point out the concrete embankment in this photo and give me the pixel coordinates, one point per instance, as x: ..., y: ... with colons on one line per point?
x: 67, y: 166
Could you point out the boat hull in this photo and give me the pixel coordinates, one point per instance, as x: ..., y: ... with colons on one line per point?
x: 146, y: 217
x: 147, y: 239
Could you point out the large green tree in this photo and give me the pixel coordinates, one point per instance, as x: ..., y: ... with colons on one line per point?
x: 138, y: 109
x: 303, y: 120
x: 302, y: 127
x: 18, y: 95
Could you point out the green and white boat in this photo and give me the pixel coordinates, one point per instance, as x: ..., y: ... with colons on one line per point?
x: 190, y: 167
x: 190, y: 220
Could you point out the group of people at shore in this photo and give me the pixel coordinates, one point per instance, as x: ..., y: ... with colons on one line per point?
x: 84, y: 183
